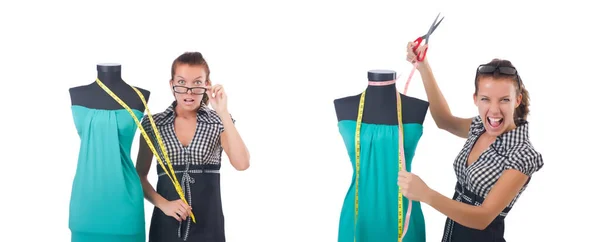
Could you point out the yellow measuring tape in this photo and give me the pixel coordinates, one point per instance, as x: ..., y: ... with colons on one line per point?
x: 171, y: 175
x: 361, y: 107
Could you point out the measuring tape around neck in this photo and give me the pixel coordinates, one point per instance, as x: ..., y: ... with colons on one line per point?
x: 170, y: 172
x: 401, y: 162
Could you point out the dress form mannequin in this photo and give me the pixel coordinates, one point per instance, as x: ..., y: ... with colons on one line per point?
x: 92, y: 95
x: 380, y: 103
x: 378, y: 188
x: 107, y: 201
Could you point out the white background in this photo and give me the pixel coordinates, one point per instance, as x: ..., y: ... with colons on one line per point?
x: 282, y: 64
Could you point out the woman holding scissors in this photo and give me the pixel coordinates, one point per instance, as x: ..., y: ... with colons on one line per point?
x: 195, y: 137
x: 497, y: 161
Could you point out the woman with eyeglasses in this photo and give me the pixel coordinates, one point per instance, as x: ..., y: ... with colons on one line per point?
x: 195, y: 137
x: 497, y: 160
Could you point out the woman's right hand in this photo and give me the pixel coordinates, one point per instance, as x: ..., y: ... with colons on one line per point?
x: 411, y: 56
x: 176, y: 209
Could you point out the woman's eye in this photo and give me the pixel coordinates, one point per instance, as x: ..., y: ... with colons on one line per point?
x: 506, y: 100
x: 181, y: 82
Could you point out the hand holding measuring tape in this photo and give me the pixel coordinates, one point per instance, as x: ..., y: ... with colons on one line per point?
x: 409, y: 185
x: 177, y: 209
x: 413, y: 187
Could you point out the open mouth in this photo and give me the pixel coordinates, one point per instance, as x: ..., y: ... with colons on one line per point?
x: 495, y: 122
x: 188, y: 100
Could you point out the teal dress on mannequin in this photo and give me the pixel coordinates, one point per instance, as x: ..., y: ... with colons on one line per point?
x: 378, y: 194
x: 107, y: 200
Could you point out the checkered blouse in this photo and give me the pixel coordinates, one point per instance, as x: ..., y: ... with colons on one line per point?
x: 511, y: 150
x: 204, y: 149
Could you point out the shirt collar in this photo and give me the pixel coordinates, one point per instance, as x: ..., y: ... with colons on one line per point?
x: 508, y: 139
x: 168, y: 116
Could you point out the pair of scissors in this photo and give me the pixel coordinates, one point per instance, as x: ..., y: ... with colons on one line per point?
x: 421, y: 56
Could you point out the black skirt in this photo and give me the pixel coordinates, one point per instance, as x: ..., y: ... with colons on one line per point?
x: 455, y: 232
x: 202, y: 189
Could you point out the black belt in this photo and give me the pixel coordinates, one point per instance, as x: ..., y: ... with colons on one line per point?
x: 465, y: 196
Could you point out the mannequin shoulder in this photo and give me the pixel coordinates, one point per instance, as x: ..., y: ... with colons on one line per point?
x: 414, y: 102
x: 144, y: 92
x: 79, y: 89
x: 79, y: 92
x: 346, y: 101
x: 345, y: 107
x: 417, y: 111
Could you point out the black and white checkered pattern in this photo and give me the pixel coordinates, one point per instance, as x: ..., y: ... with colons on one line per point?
x: 204, y: 149
x: 511, y: 150
x: 201, y: 156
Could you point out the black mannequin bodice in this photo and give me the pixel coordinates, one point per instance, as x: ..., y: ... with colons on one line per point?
x: 380, y: 103
x: 93, y: 96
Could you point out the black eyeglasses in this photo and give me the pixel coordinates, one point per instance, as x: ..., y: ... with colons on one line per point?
x: 184, y: 90
x: 504, y: 70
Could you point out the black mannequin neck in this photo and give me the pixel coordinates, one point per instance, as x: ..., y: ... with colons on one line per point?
x: 382, y: 88
x: 94, y: 97
x: 381, y: 93
x: 110, y: 74
x: 380, y: 105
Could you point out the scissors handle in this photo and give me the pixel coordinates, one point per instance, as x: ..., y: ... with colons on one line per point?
x: 420, y: 56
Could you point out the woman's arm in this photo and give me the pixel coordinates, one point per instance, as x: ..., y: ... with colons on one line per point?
x: 233, y: 145
x: 440, y: 111
x: 143, y: 164
x: 479, y: 217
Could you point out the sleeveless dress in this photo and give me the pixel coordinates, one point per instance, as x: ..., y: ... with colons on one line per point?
x: 378, y: 188
x: 107, y: 200
x: 197, y: 168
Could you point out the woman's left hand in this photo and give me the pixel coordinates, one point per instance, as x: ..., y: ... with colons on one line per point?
x: 218, y: 98
x: 412, y: 187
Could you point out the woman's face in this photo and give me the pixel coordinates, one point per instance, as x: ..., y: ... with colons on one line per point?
x: 497, y: 100
x: 185, y: 77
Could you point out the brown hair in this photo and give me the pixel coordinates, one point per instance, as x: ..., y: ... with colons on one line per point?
x: 523, y: 109
x: 192, y: 59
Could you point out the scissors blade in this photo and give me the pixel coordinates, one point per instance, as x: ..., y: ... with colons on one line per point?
x: 434, y: 26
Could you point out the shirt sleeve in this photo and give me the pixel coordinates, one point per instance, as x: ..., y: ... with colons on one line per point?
x: 147, y: 127
x: 524, y: 159
x: 476, y: 126
x: 145, y: 123
x: 222, y: 128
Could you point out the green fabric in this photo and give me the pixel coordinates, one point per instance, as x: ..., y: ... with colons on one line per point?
x: 107, y: 200
x: 378, y: 188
